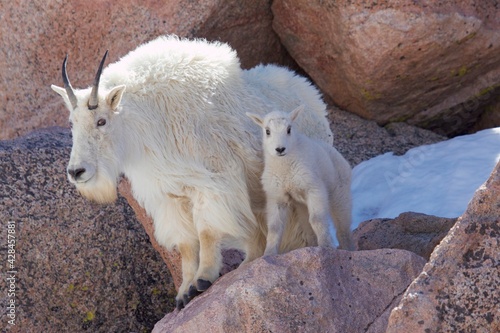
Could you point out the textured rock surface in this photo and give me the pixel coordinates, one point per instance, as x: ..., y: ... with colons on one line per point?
x: 80, y: 266
x: 306, y: 290
x: 490, y: 117
x: 359, y: 140
x: 36, y: 35
x: 398, y: 60
x: 458, y: 289
x: 415, y: 232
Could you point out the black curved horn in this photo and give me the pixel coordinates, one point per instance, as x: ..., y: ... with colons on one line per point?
x: 94, y: 100
x: 67, y: 85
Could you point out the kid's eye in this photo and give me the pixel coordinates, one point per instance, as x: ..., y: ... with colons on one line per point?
x: 288, y: 130
x: 268, y: 131
x: 101, y: 122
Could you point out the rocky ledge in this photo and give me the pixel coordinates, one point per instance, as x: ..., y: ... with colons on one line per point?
x: 327, y: 290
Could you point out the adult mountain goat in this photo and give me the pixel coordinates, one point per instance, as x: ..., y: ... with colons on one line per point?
x: 170, y: 116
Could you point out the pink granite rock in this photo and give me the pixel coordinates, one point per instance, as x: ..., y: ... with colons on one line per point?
x: 433, y: 63
x: 36, y: 35
x: 457, y: 290
x: 306, y: 290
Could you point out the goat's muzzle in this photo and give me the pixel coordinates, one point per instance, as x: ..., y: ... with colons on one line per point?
x: 280, y: 151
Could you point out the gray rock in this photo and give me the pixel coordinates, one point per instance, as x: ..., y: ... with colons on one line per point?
x: 359, y: 139
x: 415, y: 232
x: 79, y: 266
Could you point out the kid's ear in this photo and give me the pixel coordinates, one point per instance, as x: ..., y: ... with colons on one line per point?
x: 115, y: 96
x: 64, y: 95
x: 294, y: 114
x: 256, y: 118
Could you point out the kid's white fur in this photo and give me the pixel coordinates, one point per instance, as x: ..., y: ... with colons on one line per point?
x: 303, y: 171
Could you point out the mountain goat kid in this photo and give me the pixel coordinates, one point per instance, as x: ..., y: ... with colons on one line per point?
x: 170, y: 116
x: 300, y: 170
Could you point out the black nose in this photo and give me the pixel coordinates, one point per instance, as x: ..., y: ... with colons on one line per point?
x: 280, y: 150
x: 76, y: 173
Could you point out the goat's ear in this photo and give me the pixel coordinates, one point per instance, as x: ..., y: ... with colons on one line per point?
x: 294, y: 114
x: 256, y: 118
x: 115, y: 96
x: 64, y: 95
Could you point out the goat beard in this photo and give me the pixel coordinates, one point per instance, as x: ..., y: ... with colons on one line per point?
x: 100, y: 188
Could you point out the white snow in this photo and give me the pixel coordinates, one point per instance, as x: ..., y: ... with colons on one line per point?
x: 438, y: 179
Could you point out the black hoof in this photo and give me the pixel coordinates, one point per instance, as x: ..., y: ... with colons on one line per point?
x: 179, y: 304
x: 193, y: 292
x: 203, y: 285
x: 186, y: 299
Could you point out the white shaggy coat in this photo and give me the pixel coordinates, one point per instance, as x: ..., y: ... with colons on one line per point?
x: 171, y: 118
x: 301, y: 170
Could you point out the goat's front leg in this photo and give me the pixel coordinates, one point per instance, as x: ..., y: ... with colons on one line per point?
x: 277, y: 215
x: 174, y: 215
x: 189, y: 255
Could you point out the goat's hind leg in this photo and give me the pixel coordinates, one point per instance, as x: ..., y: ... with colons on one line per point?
x: 210, y: 261
x: 254, y: 246
x: 341, y: 210
x: 206, y: 216
x: 317, y: 205
x: 342, y: 216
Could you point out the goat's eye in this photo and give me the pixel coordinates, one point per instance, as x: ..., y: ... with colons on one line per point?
x: 101, y: 122
x: 268, y: 131
x: 288, y: 130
